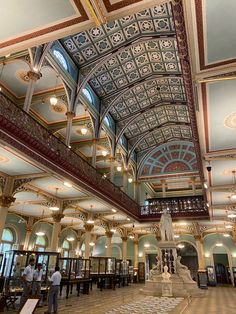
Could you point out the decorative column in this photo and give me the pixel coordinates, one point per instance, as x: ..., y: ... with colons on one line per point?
x: 70, y: 115
x: 136, y: 252
x: 94, y: 153
x: 112, y: 169
x: 125, y: 180
x: 56, y: 231
x: 124, y: 247
x: 200, y: 253
x: 88, y: 228
x: 33, y: 77
x: 193, y: 186
x: 28, y: 232
x: 109, y: 235
x: 5, y: 202
x: 78, y: 244
x: 163, y: 185
x: 136, y: 191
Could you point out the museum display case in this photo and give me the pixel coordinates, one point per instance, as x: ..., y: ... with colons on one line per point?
x: 74, y: 271
x: 103, y: 271
x: 122, y: 272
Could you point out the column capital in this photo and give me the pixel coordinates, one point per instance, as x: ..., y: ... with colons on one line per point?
x: 57, y: 217
x: 88, y: 227
x: 6, y: 200
x: 124, y: 239
x: 109, y: 234
x: 70, y: 114
x: 28, y: 229
x: 95, y: 140
x: 198, y: 237
x: 135, y: 242
x: 34, y: 75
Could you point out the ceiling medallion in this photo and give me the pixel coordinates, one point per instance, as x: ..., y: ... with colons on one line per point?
x: 59, y: 108
x: 230, y: 121
x: 22, y: 75
x: 4, y: 159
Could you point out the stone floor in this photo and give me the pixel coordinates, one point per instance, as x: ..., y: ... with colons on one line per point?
x: 217, y: 300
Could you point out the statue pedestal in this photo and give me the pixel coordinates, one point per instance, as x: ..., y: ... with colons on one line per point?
x: 167, y: 289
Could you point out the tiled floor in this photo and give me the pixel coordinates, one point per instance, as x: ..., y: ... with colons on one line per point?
x: 217, y: 300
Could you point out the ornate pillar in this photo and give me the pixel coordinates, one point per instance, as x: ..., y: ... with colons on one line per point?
x: 5, y: 203
x: 112, y: 169
x: 124, y: 247
x: 163, y: 185
x: 70, y: 115
x: 200, y: 252
x: 33, y: 77
x: 78, y: 244
x: 135, y: 252
x: 125, y: 180
x: 94, y: 153
x: 136, y: 191
x: 88, y: 228
x: 56, y: 231
x: 109, y: 235
x: 28, y: 232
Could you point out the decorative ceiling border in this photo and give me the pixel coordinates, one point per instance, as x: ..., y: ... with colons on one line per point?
x: 119, y: 4
x: 200, y: 35
x: 56, y: 27
x: 181, y: 36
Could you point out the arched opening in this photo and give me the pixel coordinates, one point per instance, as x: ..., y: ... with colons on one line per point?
x: 40, y: 243
x: 66, y: 248
x: 221, y: 265
x: 8, y: 238
x: 189, y: 257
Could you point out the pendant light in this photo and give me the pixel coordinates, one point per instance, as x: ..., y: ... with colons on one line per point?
x: 55, y: 207
x: 53, y: 98
x: 84, y: 129
x: 1, y: 74
x: 40, y: 232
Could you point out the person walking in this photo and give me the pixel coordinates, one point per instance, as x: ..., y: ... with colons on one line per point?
x: 37, y: 280
x: 27, y: 280
x: 53, y: 291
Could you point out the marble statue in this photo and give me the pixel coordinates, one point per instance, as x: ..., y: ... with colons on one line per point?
x: 166, y: 228
x: 165, y: 275
x: 156, y: 270
x: 183, y: 271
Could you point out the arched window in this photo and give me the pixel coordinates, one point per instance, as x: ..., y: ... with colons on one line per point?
x: 40, y: 243
x: 7, y: 240
x: 66, y: 248
x: 61, y: 59
x: 87, y: 94
x: 107, y: 121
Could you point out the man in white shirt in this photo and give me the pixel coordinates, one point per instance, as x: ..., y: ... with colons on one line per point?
x: 27, y: 280
x: 53, y: 291
x: 37, y: 280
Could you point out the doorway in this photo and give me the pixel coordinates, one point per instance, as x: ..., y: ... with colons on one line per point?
x: 150, y: 261
x: 222, y: 270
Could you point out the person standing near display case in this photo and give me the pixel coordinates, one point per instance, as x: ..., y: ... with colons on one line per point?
x: 37, y: 280
x: 27, y: 280
x: 53, y: 291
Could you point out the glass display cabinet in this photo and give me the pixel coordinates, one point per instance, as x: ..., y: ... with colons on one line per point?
x: 1, y: 265
x: 103, y: 271
x: 15, y: 262
x: 122, y: 272
x: 74, y: 271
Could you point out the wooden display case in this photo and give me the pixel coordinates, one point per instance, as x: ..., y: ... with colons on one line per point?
x: 74, y: 271
x: 122, y: 272
x: 15, y: 262
x: 103, y: 271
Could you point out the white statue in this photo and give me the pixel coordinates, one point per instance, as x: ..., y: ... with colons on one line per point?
x: 156, y: 270
x: 166, y: 228
x: 165, y: 275
x: 183, y: 271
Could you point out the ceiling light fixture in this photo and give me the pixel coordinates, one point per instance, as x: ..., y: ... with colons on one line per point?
x: 146, y: 245
x: 180, y: 246
x: 219, y: 244
x: 69, y: 185
x: 113, y: 210
x: 91, y: 243
x: 1, y: 74
x: 90, y: 221
x: 40, y: 233
x: 128, y: 218
x: 131, y: 236
x: 176, y: 236
x: 104, y: 153
x: 183, y: 223
x: 231, y: 216
x: 53, y: 98
x: 130, y: 180
x: 228, y: 226
x: 119, y: 168
x: 70, y: 239
x: 55, y: 207
x: 226, y: 235
x: 205, y: 185
x: 113, y: 229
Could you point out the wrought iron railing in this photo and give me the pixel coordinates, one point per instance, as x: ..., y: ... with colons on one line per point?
x: 23, y: 132
x: 183, y: 206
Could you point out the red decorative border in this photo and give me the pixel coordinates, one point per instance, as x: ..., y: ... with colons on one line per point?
x: 82, y: 18
x: 119, y: 5
x: 201, y: 46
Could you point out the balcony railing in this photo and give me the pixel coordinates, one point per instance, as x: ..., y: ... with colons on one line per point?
x: 24, y: 133
x: 187, y: 207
